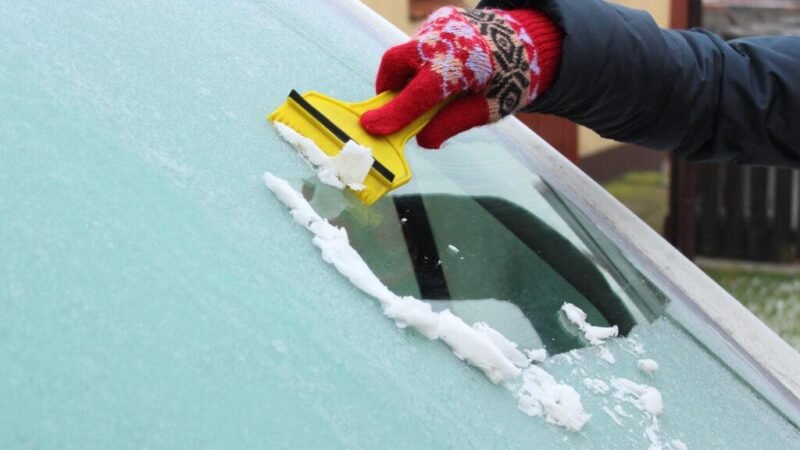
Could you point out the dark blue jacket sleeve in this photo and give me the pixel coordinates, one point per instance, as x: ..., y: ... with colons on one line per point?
x: 688, y: 91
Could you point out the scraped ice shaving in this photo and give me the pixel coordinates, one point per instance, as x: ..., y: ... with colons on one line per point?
x: 538, y: 355
x: 632, y: 346
x: 468, y: 343
x: 651, y: 432
x: 621, y: 411
x: 677, y: 444
x: 595, y: 335
x: 652, y: 435
x: 596, y: 385
x: 312, y: 153
x: 645, y: 398
x: 479, y: 345
x: 508, y: 348
x: 606, y: 355
x: 647, y: 366
x: 541, y: 395
x: 352, y: 165
x: 348, y: 168
x: 612, y: 415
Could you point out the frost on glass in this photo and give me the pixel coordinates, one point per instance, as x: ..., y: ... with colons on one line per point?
x: 155, y: 294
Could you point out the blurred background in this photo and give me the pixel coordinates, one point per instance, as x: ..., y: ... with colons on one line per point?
x: 741, y: 225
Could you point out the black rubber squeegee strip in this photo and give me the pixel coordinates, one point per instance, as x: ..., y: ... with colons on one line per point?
x: 338, y: 132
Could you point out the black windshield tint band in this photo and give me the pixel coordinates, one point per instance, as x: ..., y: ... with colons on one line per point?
x: 422, y: 247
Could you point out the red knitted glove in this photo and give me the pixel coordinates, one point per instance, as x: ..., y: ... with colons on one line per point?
x: 495, y: 61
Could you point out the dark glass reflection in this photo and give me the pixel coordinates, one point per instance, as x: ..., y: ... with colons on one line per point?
x: 505, y: 253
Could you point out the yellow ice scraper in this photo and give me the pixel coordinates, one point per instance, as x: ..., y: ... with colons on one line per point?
x: 330, y: 123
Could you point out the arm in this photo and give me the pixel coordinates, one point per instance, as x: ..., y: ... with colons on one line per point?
x: 687, y: 91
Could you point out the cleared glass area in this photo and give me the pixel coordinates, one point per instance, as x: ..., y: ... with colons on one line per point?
x: 479, y: 234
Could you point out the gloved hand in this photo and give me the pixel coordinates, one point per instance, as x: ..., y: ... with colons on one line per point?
x: 494, y: 61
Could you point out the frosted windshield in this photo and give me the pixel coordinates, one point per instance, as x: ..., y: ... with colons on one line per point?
x: 154, y: 294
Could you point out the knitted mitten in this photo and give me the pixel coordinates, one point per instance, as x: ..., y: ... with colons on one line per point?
x: 494, y: 61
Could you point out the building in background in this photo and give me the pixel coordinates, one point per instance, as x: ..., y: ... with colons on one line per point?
x: 739, y: 18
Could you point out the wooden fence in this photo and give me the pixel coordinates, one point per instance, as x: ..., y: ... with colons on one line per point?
x: 747, y: 213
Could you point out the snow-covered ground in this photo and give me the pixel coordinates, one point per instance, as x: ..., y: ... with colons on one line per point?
x: 773, y: 297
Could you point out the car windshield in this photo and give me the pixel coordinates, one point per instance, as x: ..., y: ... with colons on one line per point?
x: 153, y: 292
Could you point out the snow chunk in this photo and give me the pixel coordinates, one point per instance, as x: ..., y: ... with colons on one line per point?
x: 645, y: 398
x: 348, y: 168
x: 508, y: 348
x: 595, y: 335
x: 352, y: 165
x: 468, y: 343
x: 541, y: 394
x: 651, y: 431
x: 538, y: 355
x: 474, y: 347
x: 647, y: 366
x: 596, y: 385
x: 408, y: 311
x: 311, y: 152
x: 678, y: 444
x: 606, y: 355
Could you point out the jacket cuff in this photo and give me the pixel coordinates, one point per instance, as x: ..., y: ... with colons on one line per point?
x: 617, y: 74
x: 547, y: 42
